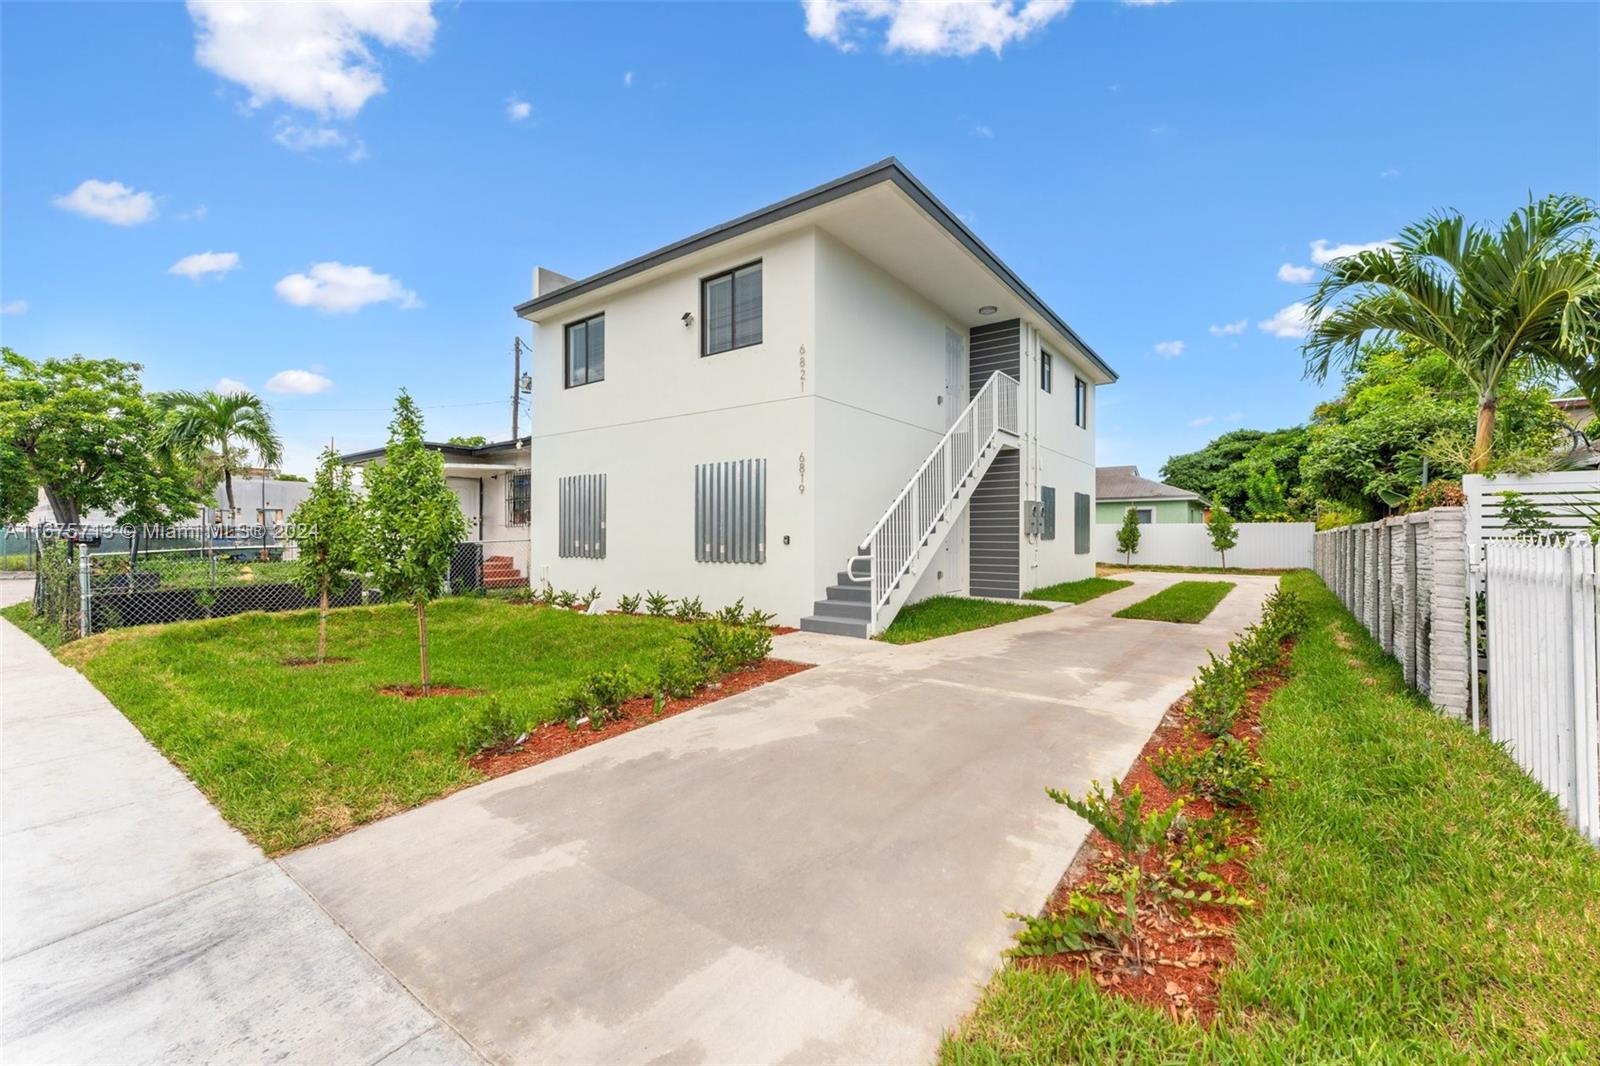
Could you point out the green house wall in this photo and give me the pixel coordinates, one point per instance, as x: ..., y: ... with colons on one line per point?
x: 1110, y: 512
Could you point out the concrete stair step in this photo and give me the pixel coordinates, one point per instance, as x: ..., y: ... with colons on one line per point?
x: 850, y: 593
x: 839, y: 627
x: 860, y: 611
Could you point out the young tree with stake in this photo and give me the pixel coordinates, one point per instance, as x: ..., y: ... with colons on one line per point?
x: 1220, y: 526
x: 329, y: 537
x: 1128, y: 535
x: 413, y: 521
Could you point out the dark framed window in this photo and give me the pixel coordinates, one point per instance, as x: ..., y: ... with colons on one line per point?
x: 1144, y: 516
x: 1080, y: 403
x: 518, y: 483
x: 586, y: 351
x: 1046, y: 371
x: 730, y: 309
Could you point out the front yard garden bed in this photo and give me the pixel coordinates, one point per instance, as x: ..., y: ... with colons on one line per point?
x: 1416, y: 898
x: 292, y: 754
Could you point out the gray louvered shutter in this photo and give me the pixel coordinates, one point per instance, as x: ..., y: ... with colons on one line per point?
x: 1080, y: 523
x: 1047, y: 496
x: 730, y: 511
x: 582, y: 516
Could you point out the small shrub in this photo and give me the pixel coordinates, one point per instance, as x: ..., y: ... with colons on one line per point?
x: 1440, y: 493
x: 566, y: 599
x: 689, y: 610
x: 681, y: 674
x: 1121, y: 817
x: 733, y: 614
x: 493, y: 725
x: 628, y: 604
x: 658, y: 604
x: 759, y: 618
x: 587, y: 599
x: 1218, y: 696
x: 1225, y: 773
x: 546, y: 594
x: 600, y: 697
x: 1083, y: 923
x: 726, y: 649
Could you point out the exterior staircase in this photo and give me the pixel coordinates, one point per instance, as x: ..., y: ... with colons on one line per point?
x: 876, y: 581
x: 500, y: 572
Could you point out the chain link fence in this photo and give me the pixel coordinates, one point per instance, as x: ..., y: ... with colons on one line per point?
x: 100, y: 590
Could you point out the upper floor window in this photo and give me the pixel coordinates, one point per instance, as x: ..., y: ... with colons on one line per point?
x: 1046, y: 371
x: 586, y: 351
x: 1080, y: 403
x: 731, y: 309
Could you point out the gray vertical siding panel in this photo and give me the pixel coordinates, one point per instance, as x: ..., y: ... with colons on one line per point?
x: 581, y: 521
x: 730, y: 511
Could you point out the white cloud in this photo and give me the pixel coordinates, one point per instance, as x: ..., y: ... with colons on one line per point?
x: 1169, y: 349
x: 982, y: 131
x: 298, y: 383
x: 200, y: 264
x: 298, y: 138
x: 517, y: 110
x: 14, y: 307
x: 1145, y: 3
x: 1389, y: 172
x: 627, y: 79
x: 313, y: 56
x: 197, y: 215
x: 1292, y: 321
x: 109, y: 201
x: 931, y: 27
x: 1296, y: 274
x: 1323, y: 252
x: 336, y: 288
x: 229, y: 385
x: 1203, y: 420
x: 1228, y: 329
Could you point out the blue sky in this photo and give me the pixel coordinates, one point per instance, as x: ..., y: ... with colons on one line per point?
x: 1148, y: 169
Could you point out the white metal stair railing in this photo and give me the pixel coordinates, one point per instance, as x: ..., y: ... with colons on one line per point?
x: 892, y: 546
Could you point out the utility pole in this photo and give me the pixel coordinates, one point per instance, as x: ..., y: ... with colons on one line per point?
x: 516, y: 383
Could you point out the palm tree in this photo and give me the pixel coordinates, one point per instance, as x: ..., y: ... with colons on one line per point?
x: 1525, y: 297
x: 221, y: 429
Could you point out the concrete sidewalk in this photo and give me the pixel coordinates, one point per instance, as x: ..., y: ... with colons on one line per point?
x: 139, y: 927
x: 813, y: 871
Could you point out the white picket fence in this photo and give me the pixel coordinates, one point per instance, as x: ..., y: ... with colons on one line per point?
x: 1262, y: 545
x: 1544, y: 686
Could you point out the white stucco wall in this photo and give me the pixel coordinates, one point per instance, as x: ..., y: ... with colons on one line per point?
x: 662, y: 409
x: 1058, y: 453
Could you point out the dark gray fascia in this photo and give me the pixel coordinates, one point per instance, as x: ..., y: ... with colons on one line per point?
x: 884, y: 170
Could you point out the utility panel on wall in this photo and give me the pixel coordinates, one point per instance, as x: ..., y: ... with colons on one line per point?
x: 730, y: 511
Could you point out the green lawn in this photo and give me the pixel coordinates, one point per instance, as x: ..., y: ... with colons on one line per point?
x: 1423, y: 900
x: 941, y: 616
x: 292, y: 754
x: 21, y: 616
x: 1186, y: 601
x: 1090, y: 588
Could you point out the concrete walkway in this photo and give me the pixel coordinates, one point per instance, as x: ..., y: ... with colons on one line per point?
x: 138, y: 927
x: 813, y: 871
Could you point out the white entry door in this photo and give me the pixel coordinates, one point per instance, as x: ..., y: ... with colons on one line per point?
x: 954, y: 552
x: 468, y: 490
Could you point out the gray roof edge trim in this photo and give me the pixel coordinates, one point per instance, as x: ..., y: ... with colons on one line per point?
x: 888, y: 169
x: 459, y: 450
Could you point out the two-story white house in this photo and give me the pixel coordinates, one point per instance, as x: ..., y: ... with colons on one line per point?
x: 830, y: 407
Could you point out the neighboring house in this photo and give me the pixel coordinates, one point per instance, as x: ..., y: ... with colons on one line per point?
x: 1118, y: 488
x: 491, y: 481
x: 262, y: 507
x: 731, y: 415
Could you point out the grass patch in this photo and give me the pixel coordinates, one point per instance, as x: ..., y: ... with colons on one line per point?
x: 1113, y: 568
x: 293, y: 754
x: 1187, y: 601
x: 940, y: 616
x: 21, y: 615
x: 1090, y: 588
x: 1424, y: 901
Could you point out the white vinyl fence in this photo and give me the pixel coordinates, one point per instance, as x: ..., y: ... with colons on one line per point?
x: 1262, y: 545
x: 1543, y: 692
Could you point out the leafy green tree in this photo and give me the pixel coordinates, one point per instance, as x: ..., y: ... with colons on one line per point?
x: 1128, y: 534
x: 1525, y: 297
x: 1223, y: 534
x: 1264, y: 494
x: 328, y: 537
x: 413, y: 521
x: 222, y: 428
x: 1225, y: 467
x: 85, y: 432
x: 476, y: 441
x: 1403, y: 404
x: 1200, y: 471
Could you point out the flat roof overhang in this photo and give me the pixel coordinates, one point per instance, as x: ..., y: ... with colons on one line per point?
x: 883, y: 214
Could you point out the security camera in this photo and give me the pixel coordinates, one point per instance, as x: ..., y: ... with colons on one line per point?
x: 688, y: 319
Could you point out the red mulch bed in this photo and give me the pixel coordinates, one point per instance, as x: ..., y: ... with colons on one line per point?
x: 1181, y: 955
x: 555, y: 738
x: 414, y: 692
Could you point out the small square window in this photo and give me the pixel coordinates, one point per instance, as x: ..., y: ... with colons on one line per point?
x: 1046, y: 371
x: 730, y: 310
x: 1144, y: 516
x: 586, y: 351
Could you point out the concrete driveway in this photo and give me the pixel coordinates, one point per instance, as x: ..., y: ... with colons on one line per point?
x: 813, y: 871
